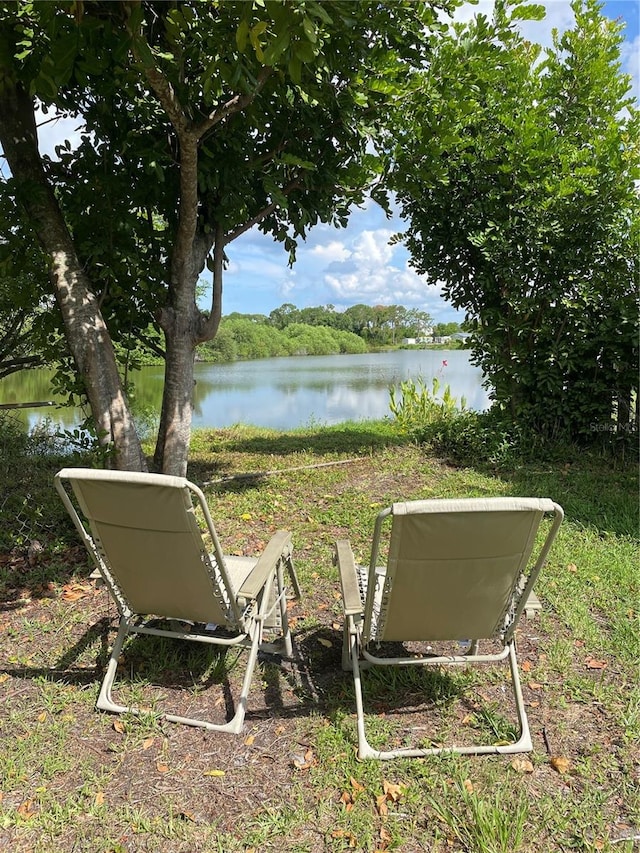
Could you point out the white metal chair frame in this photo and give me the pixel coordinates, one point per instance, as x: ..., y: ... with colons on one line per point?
x: 362, y: 611
x: 249, y: 610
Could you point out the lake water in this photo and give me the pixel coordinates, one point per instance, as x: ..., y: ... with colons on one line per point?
x: 282, y: 393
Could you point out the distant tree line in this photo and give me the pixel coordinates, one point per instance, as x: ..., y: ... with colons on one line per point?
x: 318, y: 331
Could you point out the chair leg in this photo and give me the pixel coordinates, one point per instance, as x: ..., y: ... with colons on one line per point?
x: 284, y: 616
x: 291, y: 569
x: 236, y: 723
x: 347, y: 665
x: 104, y: 702
x: 523, y: 744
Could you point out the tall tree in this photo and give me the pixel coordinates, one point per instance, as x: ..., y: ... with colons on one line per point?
x: 515, y: 172
x: 202, y: 120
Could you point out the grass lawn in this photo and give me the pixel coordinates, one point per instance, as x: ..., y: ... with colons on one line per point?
x: 72, y: 779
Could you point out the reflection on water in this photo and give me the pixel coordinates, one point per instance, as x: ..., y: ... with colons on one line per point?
x: 279, y: 392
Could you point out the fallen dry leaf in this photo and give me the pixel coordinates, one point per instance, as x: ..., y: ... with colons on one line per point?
x: 381, y: 805
x: 214, y: 773
x: 535, y: 685
x: 305, y: 762
x: 468, y: 786
x: 355, y: 784
x: 75, y: 591
x: 119, y: 726
x: 572, y: 567
x: 249, y: 741
x: 161, y: 767
x: 147, y: 743
x: 385, y: 838
x: 522, y: 765
x: 560, y: 763
x: 42, y: 717
x: 592, y: 663
x: 99, y: 799
x: 4, y: 677
x: 324, y: 642
x: 185, y: 815
x: 347, y: 799
x: 392, y: 792
x: 26, y: 810
x: 348, y: 836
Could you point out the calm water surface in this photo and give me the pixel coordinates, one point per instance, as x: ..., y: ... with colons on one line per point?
x: 282, y: 393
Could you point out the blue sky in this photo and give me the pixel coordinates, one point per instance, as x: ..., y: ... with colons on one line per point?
x: 343, y: 267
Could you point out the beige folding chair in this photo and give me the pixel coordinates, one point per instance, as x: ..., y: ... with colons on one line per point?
x: 142, y: 534
x: 456, y: 569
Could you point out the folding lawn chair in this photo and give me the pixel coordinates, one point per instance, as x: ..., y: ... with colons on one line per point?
x: 142, y: 534
x: 455, y: 569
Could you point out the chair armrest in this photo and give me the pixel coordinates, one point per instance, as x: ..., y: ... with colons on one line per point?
x: 348, y: 578
x: 278, y: 546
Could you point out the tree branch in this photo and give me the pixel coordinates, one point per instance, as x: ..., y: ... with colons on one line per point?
x: 233, y: 105
x: 241, y: 229
x: 14, y: 364
x: 210, y: 326
x: 168, y: 99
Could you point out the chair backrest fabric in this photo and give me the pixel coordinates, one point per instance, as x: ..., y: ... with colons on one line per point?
x: 147, y: 537
x: 454, y: 566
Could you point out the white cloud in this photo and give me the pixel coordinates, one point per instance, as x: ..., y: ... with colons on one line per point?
x: 333, y: 251
x: 630, y: 61
x: 371, y: 249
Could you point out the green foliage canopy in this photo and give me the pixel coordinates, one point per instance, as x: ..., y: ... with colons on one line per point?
x: 201, y: 120
x: 516, y: 173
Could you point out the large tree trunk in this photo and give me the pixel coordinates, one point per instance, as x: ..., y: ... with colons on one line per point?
x: 184, y: 327
x: 174, y: 434
x: 86, y: 331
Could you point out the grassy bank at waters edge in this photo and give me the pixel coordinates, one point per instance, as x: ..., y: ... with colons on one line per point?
x: 72, y: 779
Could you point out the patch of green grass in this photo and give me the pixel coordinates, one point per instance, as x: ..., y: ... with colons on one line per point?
x: 98, y: 789
x: 491, y: 823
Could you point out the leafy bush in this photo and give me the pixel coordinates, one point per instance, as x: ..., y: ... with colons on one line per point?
x: 419, y: 412
x: 450, y: 428
x: 488, y: 437
x: 29, y: 506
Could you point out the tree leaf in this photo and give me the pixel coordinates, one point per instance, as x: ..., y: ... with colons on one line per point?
x: 560, y: 763
x: 522, y: 765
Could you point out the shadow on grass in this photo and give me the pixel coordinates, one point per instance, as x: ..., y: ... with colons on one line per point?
x: 283, y: 689
x: 355, y: 438
x: 20, y: 580
x: 66, y: 670
x: 595, y: 492
x: 208, y: 466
